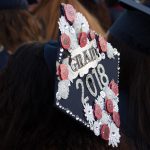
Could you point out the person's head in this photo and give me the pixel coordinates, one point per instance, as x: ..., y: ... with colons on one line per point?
x: 28, y: 119
x: 48, y: 13
x: 130, y: 35
x: 17, y: 25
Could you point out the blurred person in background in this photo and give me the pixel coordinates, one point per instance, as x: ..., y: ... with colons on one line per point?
x: 17, y: 25
x: 130, y: 34
x: 115, y: 9
x: 29, y: 120
x: 46, y: 12
x: 100, y: 10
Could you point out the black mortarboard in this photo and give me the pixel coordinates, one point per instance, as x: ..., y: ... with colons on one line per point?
x: 3, y: 57
x: 133, y: 26
x: 13, y: 4
x: 85, y: 75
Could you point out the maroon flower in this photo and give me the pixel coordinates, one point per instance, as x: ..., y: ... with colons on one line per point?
x: 63, y: 72
x: 114, y: 87
x: 69, y: 12
x: 109, y: 106
x: 82, y: 39
x: 102, y: 44
x: 65, y: 41
x: 97, y: 111
x: 116, y: 119
x: 105, y: 131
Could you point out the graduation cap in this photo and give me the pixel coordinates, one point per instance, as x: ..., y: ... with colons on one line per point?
x: 3, y: 57
x: 86, y: 75
x: 133, y: 5
x: 133, y: 26
x: 13, y: 4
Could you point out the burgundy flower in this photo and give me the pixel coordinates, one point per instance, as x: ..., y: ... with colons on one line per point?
x: 63, y: 72
x: 114, y: 87
x: 69, y: 12
x: 97, y: 111
x: 109, y: 106
x: 105, y: 131
x: 65, y: 41
x: 116, y: 119
x: 82, y: 39
x: 102, y: 44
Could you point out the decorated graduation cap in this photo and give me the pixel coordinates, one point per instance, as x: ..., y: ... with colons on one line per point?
x: 133, y: 26
x: 86, y: 78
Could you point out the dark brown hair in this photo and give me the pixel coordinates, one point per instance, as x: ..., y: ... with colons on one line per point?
x: 135, y: 81
x: 28, y: 119
x: 48, y: 13
x: 18, y: 27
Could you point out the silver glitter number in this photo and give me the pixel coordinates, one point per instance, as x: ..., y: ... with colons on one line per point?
x: 97, y: 78
x: 103, y: 76
x: 93, y: 92
x: 84, y: 100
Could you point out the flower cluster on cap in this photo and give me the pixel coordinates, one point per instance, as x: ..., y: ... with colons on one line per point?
x: 103, y: 117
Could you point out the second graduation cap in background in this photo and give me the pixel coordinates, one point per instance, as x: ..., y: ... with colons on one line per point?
x: 86, y: 79
x: 133, y: 26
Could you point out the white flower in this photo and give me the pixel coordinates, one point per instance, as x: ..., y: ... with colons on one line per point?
x: 109, y: 93
x: 63, y: 89
x: 115, y: 104
x: 100, y: 102
x: 110, y: 51
x: 96, y: 128
x: 116, y: 99
x: 80, y: 23
x: 63, y: 25
x: 73, y: 37
x: 105, y: 118
x: 114, y: 137
x: 89, y: 113
x: 94, y: 43
x: 70, y: 31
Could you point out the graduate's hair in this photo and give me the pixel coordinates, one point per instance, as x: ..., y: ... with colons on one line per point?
x: 48, y: 13
x: 17, y: 26
x: 135, y: 79
x: 100, y: 10
x: 28, y: 119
